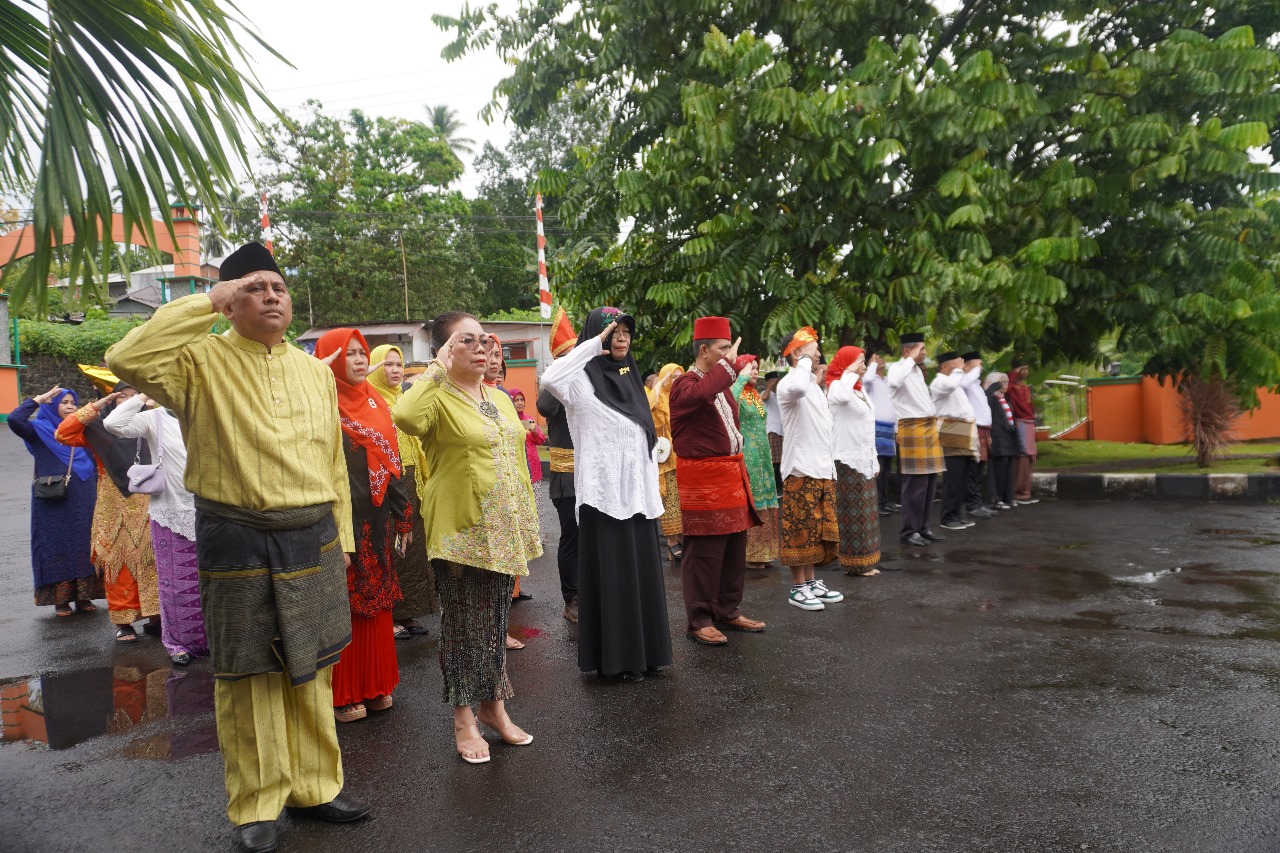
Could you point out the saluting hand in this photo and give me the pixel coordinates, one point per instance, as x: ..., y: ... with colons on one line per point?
x: 47, y: 396
x: 444, y: 355
x: 732, y: 355
x: 224, y: 292
x: 99, y: 405
x: 332, y: 357
x: 604, y: 336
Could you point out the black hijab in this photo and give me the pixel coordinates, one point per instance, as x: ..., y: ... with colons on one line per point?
x: 115, y: 453
x: 618, y: 384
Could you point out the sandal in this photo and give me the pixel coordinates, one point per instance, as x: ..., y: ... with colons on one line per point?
x: 414, y: 628
x: 62, y: 610
x: 462, y: 745
x: 381, y: 703
x: 350, y: 713
x: 400, y: 632
x: 522, y: 739
x: 675, y: 552
x: 126, y: 634
x: 86, y: 607
x: 513, y: 644
x: 869, y: 573
x: 180, y: 659
x: 151, y: 629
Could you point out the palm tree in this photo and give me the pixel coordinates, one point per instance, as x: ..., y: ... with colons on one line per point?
x: 134, y: 94
x: 445, y: 122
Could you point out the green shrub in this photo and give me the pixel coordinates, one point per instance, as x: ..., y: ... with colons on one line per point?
x: 85, y: 343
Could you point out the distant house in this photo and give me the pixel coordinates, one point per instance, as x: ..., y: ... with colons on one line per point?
x: 145, y: 290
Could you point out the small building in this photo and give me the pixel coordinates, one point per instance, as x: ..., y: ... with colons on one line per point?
x: 524, y: 344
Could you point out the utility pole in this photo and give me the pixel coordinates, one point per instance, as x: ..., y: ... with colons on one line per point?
x: 404, y: 265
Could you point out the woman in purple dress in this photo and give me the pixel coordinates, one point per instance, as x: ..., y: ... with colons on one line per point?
x: 61, y: 544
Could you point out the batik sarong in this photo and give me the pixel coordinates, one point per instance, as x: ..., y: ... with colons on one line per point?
x: 810, y: 534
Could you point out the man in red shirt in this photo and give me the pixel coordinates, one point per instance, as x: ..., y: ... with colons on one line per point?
x: 1019, y: 396
x: 715, y: 493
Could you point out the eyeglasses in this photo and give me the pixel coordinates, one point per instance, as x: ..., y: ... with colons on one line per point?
x: 484, y: 342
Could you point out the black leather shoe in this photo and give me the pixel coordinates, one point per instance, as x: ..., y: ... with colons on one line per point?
x: 259, y: 837
x: 929, y: 534
x: 631, y: 677
x: 341, y: 809
x: 916, y: 540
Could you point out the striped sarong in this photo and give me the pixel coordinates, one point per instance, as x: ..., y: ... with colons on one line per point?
x: 918, y: 449
x: 958, y: 437
x: 886, y: 438
x: 273, y: 587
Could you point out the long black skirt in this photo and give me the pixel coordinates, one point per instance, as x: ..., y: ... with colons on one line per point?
x: 622, y: 600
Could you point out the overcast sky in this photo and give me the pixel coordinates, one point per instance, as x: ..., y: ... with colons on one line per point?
x: 379, y: 56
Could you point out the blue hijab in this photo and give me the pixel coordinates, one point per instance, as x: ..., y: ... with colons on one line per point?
x: 46, y: 423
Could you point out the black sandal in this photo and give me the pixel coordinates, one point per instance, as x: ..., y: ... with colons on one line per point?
x: 126, y: 634
x: 414, y: 628
x: 675, y: 552
x: 151, y: 629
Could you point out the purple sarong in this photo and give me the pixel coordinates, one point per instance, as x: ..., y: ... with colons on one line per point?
x: 182, y: 623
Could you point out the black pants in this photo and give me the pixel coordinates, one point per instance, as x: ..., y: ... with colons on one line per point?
x: 973, y: 488
x: 883, y: 492
x: 953, y: 487
x: 712, y: 574
x: 567, y: 553
x: 1002, y: 478
x: 918, y: 492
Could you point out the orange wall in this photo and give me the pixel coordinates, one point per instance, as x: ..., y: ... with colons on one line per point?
x: 9, y: 389
x: 1146, y: 410
x: 1115, y: 412
x: 525, y: 377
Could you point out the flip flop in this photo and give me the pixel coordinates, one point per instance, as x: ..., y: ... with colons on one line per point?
x: 513, y: 644
x: 63, y: 610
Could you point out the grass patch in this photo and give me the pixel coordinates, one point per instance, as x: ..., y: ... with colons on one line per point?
x: 1096, y: 456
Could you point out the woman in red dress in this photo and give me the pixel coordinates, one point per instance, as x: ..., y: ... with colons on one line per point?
x: 366, y: 674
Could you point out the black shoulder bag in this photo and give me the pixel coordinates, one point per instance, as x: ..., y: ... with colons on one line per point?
x: 54, y: 488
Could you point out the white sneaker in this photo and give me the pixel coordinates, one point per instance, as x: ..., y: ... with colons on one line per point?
x: 804, y: 599
x: 821, y: 593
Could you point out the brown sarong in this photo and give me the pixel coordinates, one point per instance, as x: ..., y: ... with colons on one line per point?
x: 957, y: 437
x: 810, y: 534
x: 918, y: 449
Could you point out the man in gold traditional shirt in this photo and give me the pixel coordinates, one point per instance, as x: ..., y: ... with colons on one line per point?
x: 273, y: 534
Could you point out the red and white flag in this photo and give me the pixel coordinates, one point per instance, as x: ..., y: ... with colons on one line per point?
x: 544, y: 288
x: 266, y: 226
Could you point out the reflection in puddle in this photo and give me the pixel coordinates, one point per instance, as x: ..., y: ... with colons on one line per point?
x: 61, y: 711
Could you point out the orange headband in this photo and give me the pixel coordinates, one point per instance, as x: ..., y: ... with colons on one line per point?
x: 806, y: 335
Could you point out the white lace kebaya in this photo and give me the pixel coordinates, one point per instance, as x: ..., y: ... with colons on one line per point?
x: 613, y: 469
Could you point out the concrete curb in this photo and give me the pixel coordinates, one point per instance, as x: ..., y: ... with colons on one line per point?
x: 1241, y: 488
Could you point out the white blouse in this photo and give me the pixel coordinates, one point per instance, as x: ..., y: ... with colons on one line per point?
x: 853, y: 436
x: 613, y: 469
x: 175, y: 507
x: 806, y: 424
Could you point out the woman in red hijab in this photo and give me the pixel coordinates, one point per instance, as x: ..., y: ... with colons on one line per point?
x: 853, y: 441
x: 366, y: 674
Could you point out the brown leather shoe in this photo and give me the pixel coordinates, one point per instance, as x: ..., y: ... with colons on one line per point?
x: 708, y: 636
x: 742, y: 623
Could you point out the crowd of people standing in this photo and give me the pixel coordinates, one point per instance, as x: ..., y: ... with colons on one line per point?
x: 291, y: 516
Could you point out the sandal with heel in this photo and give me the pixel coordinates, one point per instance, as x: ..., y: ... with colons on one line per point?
x: 474, y: 734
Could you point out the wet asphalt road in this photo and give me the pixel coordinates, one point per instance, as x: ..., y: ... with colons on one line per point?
x: 1066, y: 677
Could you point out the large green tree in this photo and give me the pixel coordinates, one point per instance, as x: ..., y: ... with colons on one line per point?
x: 131, y: 95
x: 360, y: 207
x: 1031, y: 174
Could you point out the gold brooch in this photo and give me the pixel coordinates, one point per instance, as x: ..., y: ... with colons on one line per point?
x: 624, y: 371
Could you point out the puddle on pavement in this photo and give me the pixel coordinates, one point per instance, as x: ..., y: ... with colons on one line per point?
x: 60, y: 711
x: 1256, y: 538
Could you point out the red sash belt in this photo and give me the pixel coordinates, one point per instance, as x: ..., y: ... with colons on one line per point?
x: 715, y: 495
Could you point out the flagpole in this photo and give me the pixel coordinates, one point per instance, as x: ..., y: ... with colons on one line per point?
x: 544, y: 288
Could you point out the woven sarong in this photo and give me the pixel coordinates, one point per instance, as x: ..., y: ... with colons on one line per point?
x: 958, y: 437
x: 984, y: 443
x: 775, y: 448
x: 810, y: 533
x: 1027, y: 432
x: 273, y: 587
x: 886, y: 438
x: 918, y: 449
x: 715, y: 495
x: 857, y: 510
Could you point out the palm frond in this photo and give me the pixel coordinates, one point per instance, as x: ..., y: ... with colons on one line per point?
x: 134, y: 96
